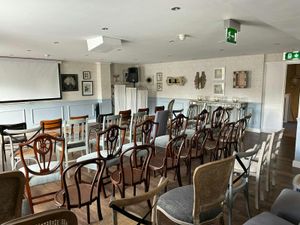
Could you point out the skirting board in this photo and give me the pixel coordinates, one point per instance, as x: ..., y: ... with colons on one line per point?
x: 255, y: 130
x: 296, y: 164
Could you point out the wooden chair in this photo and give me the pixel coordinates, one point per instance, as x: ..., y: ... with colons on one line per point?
x: 85, y: 117
x: 46, y: 169
x: 5, y: 140
x: 170, y: 159
x: 202, y: 202
x: 78, y: 192
x: 177, y: 127
x: 54, y: 216
x: 243, y: 130
x: 159, y: 108
x: 52, y: 127
x: 76, y: 139
x: 125, y: 117
x: 161, y: 117
x: 170, y: 108
x: 134, y: 165
x: 227, y: 114
x: 11, y: 195
x: 217, y: 120
x: 220, y: 147
x: 109, y: 150
x: 136, y: 118
x: 146, y: 110
x: 19, y: 136
x: 118, y: 205
x: 144, y: 133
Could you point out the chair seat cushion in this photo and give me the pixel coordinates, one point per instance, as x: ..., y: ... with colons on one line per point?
x: 109, y: 163
x: 43, y: 179
x: 287, y: 206
x: 267, y: 218
x: 162, y: 141
x: 178, y: 203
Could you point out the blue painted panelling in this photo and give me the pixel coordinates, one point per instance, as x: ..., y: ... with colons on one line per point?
x: 105, y: 106
x: 297, y: 150
x: 254, y: 108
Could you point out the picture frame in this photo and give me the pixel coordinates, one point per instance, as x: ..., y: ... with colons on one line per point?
x: 159, y: 86
x: 87, y: 88
x: 159, y: 76
x: 86, y: 75
x: 240, y: 79
x: 218, y: 89
x: 69, y: 82
x: 219, y: 74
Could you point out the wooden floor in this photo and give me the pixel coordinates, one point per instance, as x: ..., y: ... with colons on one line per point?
x: 285, y: 174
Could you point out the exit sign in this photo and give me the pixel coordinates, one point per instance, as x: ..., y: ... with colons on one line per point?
x: 291, y: 55
x: 231, y: 35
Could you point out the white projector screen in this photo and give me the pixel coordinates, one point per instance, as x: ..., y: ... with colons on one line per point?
x: 29, y: 80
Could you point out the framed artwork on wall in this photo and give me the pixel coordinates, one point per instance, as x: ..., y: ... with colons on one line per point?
x: 240, y: 79
x: 86, y: 75
x: 69, y: 82
x: 218, y: 89
x: 219, y: 74
x: 159, y: 76
x: 159, y: 87
x: 87, y: 88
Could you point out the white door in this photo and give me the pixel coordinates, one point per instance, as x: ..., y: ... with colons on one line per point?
x: 273, y: 100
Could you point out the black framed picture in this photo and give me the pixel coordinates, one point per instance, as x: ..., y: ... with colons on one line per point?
x: 69, y: 82
x: 87, y: 88
x: 86, y: 75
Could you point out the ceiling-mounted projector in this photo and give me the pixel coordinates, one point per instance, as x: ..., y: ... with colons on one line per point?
x: 103, y: 44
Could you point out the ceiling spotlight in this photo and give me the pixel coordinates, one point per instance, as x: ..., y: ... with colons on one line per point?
x: 47, y: 55
x: 104, y: 28
x: 171, y: 41
x: 56, y: 42
x: 176, y: 8
x: 181, y: 37
x: 28, y: 50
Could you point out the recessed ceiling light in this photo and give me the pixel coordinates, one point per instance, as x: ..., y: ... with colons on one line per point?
x: 47, y: 55
x: 176, y: 8
x: 171, y: 41
x: 104, y: 28
x: 28, y: 50
x: 56, y: 42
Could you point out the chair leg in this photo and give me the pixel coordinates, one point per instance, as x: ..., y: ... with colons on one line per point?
x: 100, y: 217
x: 28, y: 192
x: 88, y: 213
x: 257, y: 193
x: 134, y: 190
x: 246, y: 193
x: 178, y: 175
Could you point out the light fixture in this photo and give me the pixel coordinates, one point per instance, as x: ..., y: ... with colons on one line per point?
x: 176, y: 8
x: 28, y: 50
x: 56, y: 42
x: 181, y: 37
x: 171, y: 41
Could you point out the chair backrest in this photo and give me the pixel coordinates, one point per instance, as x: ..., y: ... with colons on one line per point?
x: 174, y: 150
x: 210, y: 186
x: 217, y: 117
x: 53, y: 127
x: 118, y: 205
x: 43, y: 148
x: 262, y: 154
x: 146, y: 110
x: 178, y: 125
x: 145, y: 132
x: 225, y: 135
x: 227, y: 114
x: 136, y: 118
x: 72, y: 178
x: 170, y: 108
x: 111, y: 120
x: 130, y: 158
x: 11, y: 195
x: 111, y: 141
x: 125, y: 117
x: 202, y: 119
x: 100, y: 117
x: 54, y: 216
x: 76, y: 131
x: 16, y: 126
x: 198, y: 142
x: 79, y: 117
x: 161, y: 117
x: 192, y: 111
x: 159, y: 108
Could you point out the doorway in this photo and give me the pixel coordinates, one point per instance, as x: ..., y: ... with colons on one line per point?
x: 291, y: 100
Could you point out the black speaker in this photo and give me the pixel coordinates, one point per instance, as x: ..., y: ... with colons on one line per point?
x: 133, y: 75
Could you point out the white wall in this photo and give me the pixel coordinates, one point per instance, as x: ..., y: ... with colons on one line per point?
x: 77, y: 68
x: 252, y: 63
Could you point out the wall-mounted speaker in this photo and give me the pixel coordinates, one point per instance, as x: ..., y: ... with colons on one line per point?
x: 133, y: 75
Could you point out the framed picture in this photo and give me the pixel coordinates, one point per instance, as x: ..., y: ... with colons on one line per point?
x: 87, y: 88
x: 159, y: 87
x: 159, y: 77
x: 69, y: 82
x: 86, y: 75
x: 218, y: 89
x: 240, y: 79
x: 219, y: 74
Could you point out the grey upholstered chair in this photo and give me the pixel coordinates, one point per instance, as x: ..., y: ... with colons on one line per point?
x: 202, y: 201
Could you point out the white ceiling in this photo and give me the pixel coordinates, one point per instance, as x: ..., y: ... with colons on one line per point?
x: 146, y: 27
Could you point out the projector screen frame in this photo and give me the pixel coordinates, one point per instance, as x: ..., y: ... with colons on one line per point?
x: 41, y: 99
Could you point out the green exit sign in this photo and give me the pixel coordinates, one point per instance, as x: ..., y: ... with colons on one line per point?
x: 231, y: 35
x: 291, y: 55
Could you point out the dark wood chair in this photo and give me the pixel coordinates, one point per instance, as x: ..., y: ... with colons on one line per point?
x: 109, y: 145
x: 78, y: 192
x: 5, y: 139
x: 52, y: 127
x: 125, y: 117
x: 159, y: 108
x: 144, y: 110
x: 11, y: 195
x: 170, y: 108
x: 46, y: 169
x: 134, y: 165
x: 170, y: 158
x: 217, y: 117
